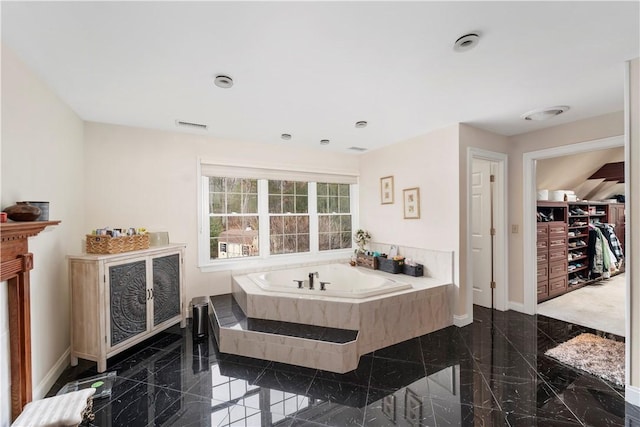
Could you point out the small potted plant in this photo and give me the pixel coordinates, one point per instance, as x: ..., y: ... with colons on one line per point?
x: 361, y: 237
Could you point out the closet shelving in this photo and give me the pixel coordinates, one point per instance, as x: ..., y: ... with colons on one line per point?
x: 578, y: 239
x: 562, y: 241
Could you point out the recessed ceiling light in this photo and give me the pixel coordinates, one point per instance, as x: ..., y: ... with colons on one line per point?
x: 466, y: 42
x: 545, y: 113
x: 223, y: 81
x: 357, y: 148
x: 361, y: 124
x: 286, y: 136
x: 324, y: 142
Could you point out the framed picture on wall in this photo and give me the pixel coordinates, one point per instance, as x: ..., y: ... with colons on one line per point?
x: 386, y: 190
x: 411, y: 203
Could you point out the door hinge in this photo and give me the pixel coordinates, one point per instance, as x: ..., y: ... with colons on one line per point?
x: 492, y: 178
x: 105, y: 339
x: 493, y: 231
x: 493, y: 285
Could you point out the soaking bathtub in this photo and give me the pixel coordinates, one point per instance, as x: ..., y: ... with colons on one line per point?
x: 343, y: 281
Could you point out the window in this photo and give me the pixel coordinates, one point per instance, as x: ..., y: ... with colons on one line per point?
x: 233, y: 218
x: 334, y: 216
x: 288, y: 217
x: 254, y: 213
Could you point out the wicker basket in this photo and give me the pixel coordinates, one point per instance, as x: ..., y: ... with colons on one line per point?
x: 116, y: 245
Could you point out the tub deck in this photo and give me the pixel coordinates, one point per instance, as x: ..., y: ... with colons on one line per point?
x: 263, y: 322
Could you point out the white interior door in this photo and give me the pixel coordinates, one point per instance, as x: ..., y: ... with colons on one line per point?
x: 481, y: 231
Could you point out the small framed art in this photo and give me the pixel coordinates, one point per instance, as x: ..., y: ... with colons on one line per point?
x: 386, y: 190
x: 411, y: 203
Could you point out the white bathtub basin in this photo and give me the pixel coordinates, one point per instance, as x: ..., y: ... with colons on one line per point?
x: 344, y: 281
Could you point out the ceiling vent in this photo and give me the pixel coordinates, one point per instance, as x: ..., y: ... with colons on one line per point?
x: 545, y: 113
x: 225, y: 82
x: 466, y: 42
x: 191, y: 125
x: 357, y: 149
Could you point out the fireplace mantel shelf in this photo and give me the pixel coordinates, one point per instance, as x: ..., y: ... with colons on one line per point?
x: 15, y: 264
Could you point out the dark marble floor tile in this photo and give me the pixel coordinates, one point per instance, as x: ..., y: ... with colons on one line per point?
x: 359, y: 376
x: 518, y: 420
x: 224, y: 370
x: 595, y: 407
x: 526, y: 397
x: 632, y: 415
x: 301, y: 370
x: 284, y: 381
x: 467, y: 415
x: 490, y: 373
x: 389, y: 374
x: 338, y: 392
x: 408, y: 351
x: 408, y: 406
x: 329, y: 414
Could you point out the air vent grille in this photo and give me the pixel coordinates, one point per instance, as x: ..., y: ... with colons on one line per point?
x: 357, y: 149
x: 191, y: 125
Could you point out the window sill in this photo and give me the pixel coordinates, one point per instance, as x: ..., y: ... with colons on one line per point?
x: 257, y: 263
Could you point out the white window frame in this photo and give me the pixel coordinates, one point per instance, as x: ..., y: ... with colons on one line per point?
x: 264, y: 259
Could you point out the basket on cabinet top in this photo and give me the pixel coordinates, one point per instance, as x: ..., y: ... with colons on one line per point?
x: 116, y: 245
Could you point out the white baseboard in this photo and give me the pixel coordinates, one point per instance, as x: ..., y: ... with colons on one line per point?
x: 54, y: 373
x: 461, y: 321
x: 517, y: 306
x: 632, y: 395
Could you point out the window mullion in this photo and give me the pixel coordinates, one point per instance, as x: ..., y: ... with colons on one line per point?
x: 263, y: 216
x: 313, y: 217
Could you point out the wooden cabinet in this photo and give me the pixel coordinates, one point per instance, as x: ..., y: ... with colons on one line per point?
x: 120, y: 300
x: 616, y: 217
x: 551, y: 244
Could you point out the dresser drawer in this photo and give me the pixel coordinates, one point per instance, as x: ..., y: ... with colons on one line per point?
x: 543, y: 289
x: 557, y: 269
x: 558, y: 241
x: 557, y: 229
x: 558, y: 253
x: 557, y: 285
x: 542, y: 245
x: 543, y: 256
x: 543, y: 271
x: 542, y: 231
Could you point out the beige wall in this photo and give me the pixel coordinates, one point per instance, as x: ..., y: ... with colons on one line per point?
x: 42, y: 159
x: 429, y: 162
x: 633, y: 218
x: 571, y: 133
x: 144, y: 178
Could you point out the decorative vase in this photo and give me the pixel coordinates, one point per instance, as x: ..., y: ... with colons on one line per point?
x: 22, y: 211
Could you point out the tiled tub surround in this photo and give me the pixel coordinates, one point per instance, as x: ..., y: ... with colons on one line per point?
x: 380, y: 320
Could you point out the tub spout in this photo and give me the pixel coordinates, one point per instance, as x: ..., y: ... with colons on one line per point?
x: 311, y: 275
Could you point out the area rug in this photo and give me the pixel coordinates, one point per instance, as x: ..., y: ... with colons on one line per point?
x: 596, y: 355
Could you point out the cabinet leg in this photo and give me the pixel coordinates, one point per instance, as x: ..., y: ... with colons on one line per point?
x: 74, y: 360
x: 102, y: 365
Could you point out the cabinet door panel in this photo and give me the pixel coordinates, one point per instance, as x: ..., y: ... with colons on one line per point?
x: 166, y: 288
x: 128, y: 295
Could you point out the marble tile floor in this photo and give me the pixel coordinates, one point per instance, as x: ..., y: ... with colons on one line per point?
x: 490, y: 373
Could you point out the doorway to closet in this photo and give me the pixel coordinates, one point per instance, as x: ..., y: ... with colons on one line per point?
x: 580, y: 228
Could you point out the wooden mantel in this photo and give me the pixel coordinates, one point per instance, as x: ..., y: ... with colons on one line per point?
x: 15, y: 264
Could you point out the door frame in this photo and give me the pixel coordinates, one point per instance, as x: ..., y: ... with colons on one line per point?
x: 529, y: 197
x: 501, y: 272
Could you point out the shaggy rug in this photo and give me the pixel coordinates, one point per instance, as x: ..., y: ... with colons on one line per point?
x: 596, y: 355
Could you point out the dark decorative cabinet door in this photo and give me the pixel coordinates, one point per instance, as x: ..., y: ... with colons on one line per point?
x: 166, y: 288
x: 128, y: 294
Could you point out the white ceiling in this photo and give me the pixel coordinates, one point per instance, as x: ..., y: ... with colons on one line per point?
x: 312, y: 69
